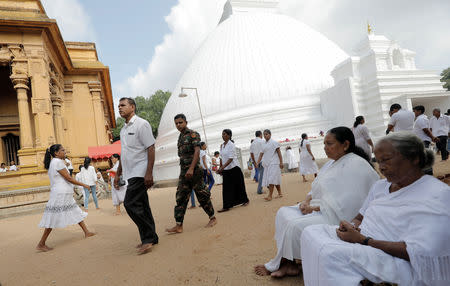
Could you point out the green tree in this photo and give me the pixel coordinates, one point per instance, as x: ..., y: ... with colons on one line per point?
x: 446, y: 78
x: 150, y: 109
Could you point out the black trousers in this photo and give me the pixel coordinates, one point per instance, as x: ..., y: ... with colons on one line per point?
x: 138, y: 208
x: 442, y: 146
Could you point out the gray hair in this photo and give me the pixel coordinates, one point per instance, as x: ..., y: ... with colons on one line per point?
x: 437, y: 109
x: 411, y: 147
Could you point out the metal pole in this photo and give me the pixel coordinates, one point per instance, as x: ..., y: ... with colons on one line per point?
x: 201, y: 114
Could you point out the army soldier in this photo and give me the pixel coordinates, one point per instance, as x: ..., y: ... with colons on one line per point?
x: 191, y: 175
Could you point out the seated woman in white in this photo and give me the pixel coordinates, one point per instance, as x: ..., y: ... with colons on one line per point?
x: 401, y: 235
x: 337, y: 193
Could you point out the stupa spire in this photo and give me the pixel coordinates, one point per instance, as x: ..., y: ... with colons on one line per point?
x: 246, y: 6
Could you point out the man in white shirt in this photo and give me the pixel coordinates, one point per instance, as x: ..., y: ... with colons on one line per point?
x: 439, y: 125
x: 255, y: 150
x: 401, y: 120
x: 12, y: 166
x: 421, y: 129
x: 136, y: 166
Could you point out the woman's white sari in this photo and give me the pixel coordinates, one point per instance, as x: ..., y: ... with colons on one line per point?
x: 339, y: 189
x: 417, y: 214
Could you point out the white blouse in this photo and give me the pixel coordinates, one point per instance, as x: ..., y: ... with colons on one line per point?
x: 57, y: 182
x: 228, y: 152
x: 89, y: 176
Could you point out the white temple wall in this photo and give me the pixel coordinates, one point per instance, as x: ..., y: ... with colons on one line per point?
x: 337, y: 103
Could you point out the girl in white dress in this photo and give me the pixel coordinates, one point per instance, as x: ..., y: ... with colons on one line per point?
x: 61, y: 209
x: 118, y: 195
x: 362, y: 136
x: 272, y: 161
x: 307, y: 161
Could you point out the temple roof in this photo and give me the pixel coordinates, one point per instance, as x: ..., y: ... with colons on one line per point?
x: 23, y: 10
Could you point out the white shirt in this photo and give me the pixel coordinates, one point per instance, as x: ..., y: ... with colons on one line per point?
x: 379, y: 189
x: 207, y: 158
x: 136, y: 137
x: 402, y: 120
x: 13, y: 168
x: 2, y: 170
x: 89, y: 176
x: 256, y: 147
x: 70, y: 167
x: 57, y: 182
x: 270, y: 156
x: 439, y: 126
x: 421, y: 123
x: 229, y: 152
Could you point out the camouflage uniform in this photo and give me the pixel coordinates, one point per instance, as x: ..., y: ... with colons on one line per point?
x: 187, y: 141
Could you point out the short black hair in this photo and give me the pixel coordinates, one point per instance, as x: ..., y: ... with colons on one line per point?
x: 258, y: 133
x: 420, y: 108
x: 180, y: 115
x: 216, y: 153
x: 130, y: 101
x: 395, y: 106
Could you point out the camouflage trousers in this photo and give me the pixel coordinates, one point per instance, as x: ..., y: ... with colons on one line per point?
x: 185, y: 187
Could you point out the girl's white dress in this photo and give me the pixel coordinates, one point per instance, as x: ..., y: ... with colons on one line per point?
x: 307, y: 165
x: 271, y: 164
x: 61, y: 209
x: 118, y: 195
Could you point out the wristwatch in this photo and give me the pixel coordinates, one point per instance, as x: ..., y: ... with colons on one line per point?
x: 366, y: 240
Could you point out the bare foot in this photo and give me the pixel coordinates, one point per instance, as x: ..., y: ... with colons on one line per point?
x: 268, y: 199
x: 223, y: 210
x: 261, y: 270
x: 212, y: 222
x: 43, y: 248
x: 176, y: 229
x: 191, y: 207
x: 145, y: 248
x: 289, y: 269
x: 305, y: 180
x: 89, y: 234
x: 279, y: 196
x: 117, y: 213
x: 97, y: 208
x: 139, y: 245
x: 245, y: 204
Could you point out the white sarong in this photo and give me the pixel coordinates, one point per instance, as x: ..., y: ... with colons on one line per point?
x: 339, y: 189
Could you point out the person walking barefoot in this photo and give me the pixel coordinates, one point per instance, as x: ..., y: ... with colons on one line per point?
x: 61, y: 209
x: 191, y: 176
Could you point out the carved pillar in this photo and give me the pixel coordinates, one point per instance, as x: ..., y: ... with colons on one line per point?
x: 20, y: 83
x: 68, y: 116
x: 57, y: 119
x: 95, y: 88
x: 19, y: 78
x: 41, y: 103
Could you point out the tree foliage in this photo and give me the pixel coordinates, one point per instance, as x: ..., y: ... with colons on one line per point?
x: 446, y: 78
x: 150, y: 109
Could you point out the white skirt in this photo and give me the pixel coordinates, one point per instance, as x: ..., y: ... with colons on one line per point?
x: 217, y: 178
x: 272, y: 175
x: 307, y: 165
x: 61, y: 210
x: 118, y: 195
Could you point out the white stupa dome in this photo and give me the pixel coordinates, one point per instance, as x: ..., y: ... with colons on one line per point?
x: 256, y: 70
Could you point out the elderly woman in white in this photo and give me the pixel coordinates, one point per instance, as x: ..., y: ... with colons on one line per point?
x: 337, y: 193
x: 401, y: 234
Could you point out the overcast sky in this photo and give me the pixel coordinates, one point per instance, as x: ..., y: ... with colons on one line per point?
x: 148, y: 44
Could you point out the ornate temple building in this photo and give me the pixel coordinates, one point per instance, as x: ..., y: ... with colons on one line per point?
x: 51, y: 91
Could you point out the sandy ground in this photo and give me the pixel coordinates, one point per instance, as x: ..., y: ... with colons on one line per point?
x: 223, y: 255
